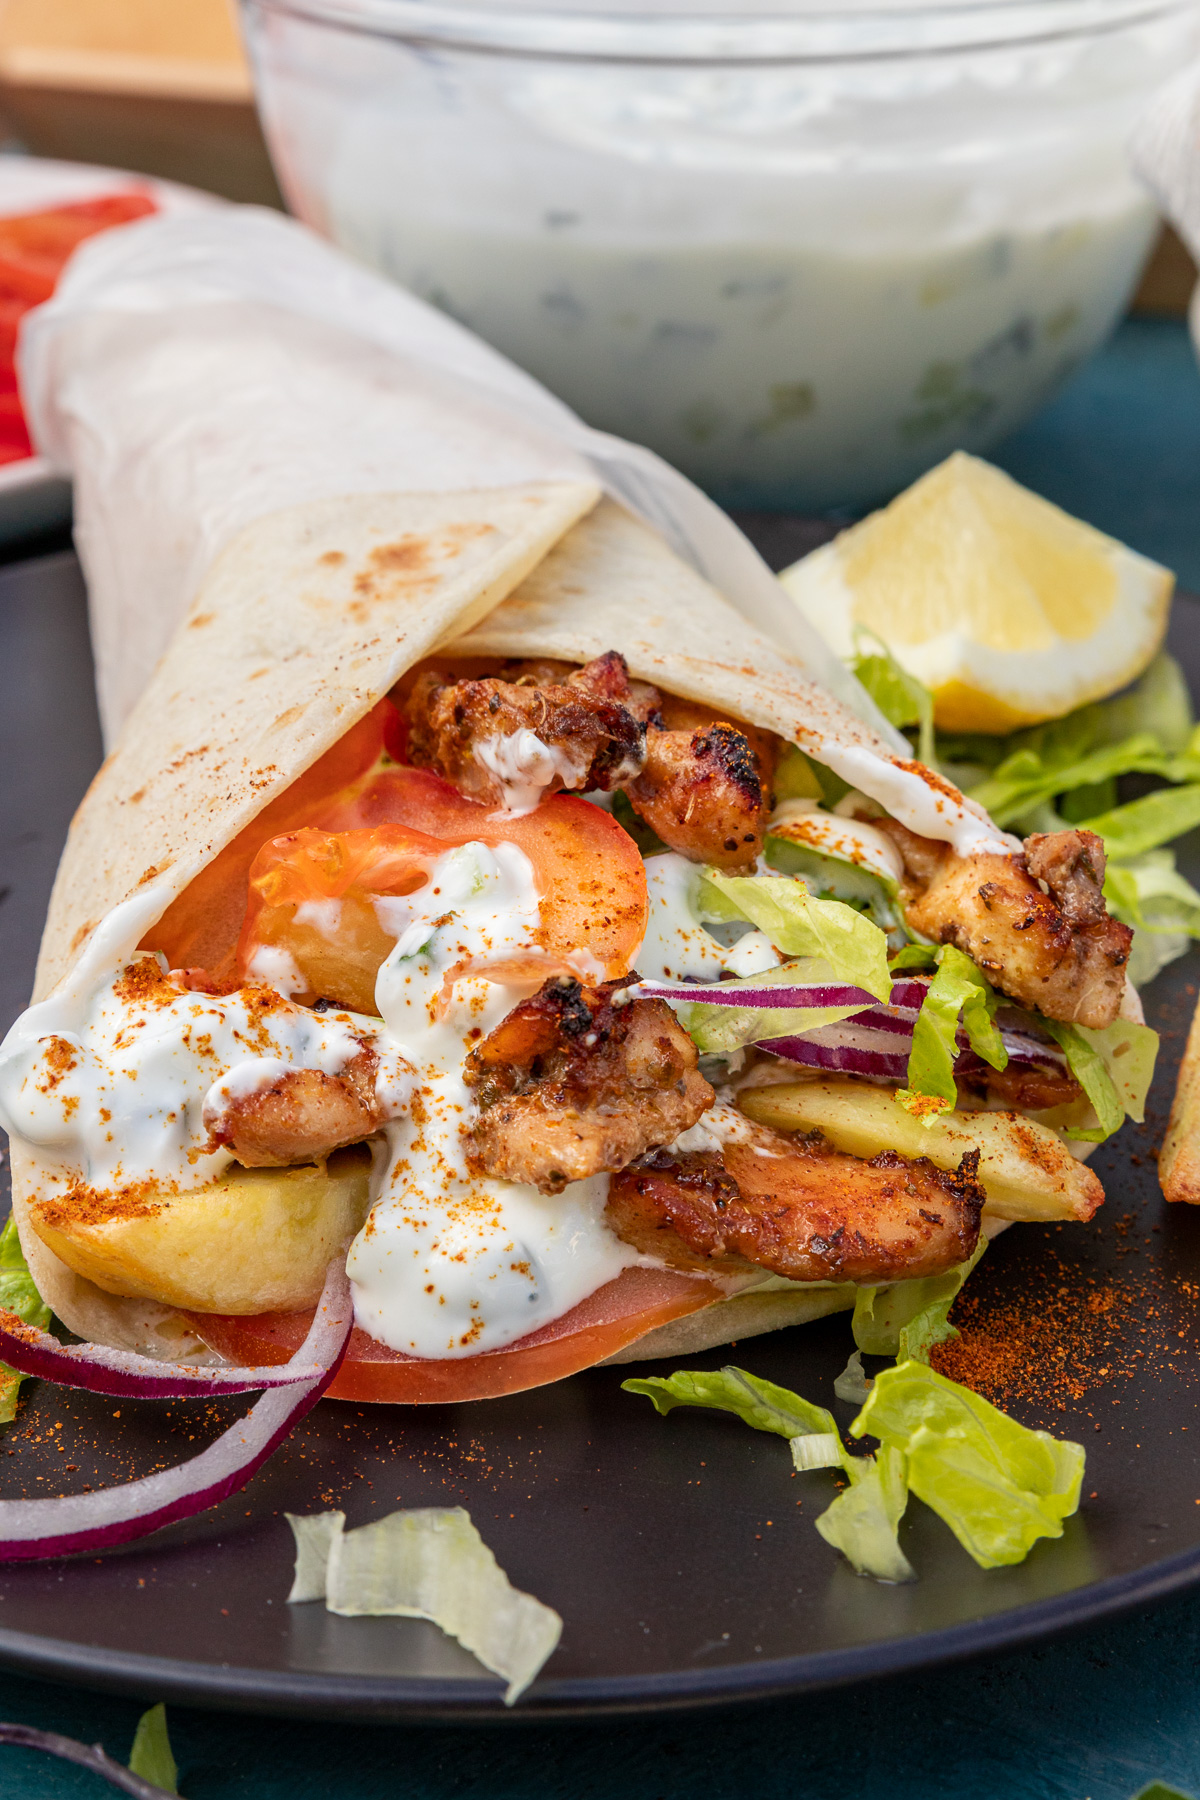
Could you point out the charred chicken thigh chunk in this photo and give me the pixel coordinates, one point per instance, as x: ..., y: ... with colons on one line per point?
x: 569, y: 1085
x: 302, y: 1116
x: 1052, y: 947
x: 487, y: 735
x: 702, y: 793
x: 701, y: 783
x: 799, y: 1208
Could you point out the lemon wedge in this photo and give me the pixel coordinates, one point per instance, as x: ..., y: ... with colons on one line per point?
x: 1009, y: 610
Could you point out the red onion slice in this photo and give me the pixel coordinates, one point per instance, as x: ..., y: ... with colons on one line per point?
x: 32, y: 1529
x: 128, y: 1376
x: 839, y: 1058
x: 746, y: 993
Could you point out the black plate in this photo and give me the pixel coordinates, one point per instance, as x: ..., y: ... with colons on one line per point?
x: 680, y: 1552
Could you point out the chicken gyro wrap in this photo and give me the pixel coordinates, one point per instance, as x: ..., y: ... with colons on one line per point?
x: 475, y: 892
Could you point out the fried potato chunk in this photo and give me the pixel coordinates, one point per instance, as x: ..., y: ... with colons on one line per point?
x: 799, y: 1208
x: 569, y: 1085
x: 301, y: 1116
x: 1025, y: 1169
x: 255, y: 1241
x: 1052, y: 947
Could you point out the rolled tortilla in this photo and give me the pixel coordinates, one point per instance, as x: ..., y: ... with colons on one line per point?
x: 249, y: 449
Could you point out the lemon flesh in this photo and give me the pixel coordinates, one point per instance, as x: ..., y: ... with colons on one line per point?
x: 1009, y: 610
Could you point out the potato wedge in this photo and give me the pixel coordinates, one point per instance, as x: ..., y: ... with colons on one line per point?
x: 1026, y: 1170
x: 1179, y: 1163
x: 258, y: 1240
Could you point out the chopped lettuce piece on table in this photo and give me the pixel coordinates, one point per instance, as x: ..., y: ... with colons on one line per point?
x: 151, y: 1756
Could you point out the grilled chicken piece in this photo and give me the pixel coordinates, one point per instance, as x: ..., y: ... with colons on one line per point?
x: 300, y: 1117
x: 1019, y: 1088
x: 500, y: 740
x: 569, y: 1085
x: 1057, y: 952
x: 536, y: 727
x: 1071, y: 865
x: 701, y: 791
x: 800, y: 1208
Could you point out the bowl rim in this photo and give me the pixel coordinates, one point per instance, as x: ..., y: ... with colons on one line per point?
x: 779, y: 31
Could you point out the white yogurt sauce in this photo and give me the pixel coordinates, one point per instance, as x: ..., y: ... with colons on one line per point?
x: 676, y: 945
x: 115, y: 1079
x: 525, y: 767
x: 449, y: 1264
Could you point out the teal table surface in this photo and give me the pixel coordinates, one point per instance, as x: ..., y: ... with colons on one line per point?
x: 1095, y: 1717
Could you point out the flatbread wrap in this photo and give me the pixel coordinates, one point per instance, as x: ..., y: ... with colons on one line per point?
x: 473, y: 891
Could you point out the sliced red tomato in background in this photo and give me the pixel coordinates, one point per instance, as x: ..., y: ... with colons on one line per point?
x: 618, y: 1314
x: 34, y: 248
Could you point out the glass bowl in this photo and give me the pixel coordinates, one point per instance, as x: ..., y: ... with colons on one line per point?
x: 802, y: 251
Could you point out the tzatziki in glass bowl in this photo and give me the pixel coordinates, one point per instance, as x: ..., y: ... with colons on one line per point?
x: 803, y: 250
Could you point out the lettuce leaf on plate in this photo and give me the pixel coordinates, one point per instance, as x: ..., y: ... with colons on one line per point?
x: 997, y: 1485
x: 755, y: 1401
x: 428, y: 1563
x: 19, y: 1295
x: 863, y: 1521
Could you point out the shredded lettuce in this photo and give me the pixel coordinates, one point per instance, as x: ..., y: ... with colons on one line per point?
x: 755, y: 1401
x: 863, y: 1522
x: 1142, y: 825
x: 429, y: 1563
x: 907, y: 1319
x: 957, y: 992
x: 1147, y: 730
x: 838, y: 878
x: 852, y: 1385
x: 1026, y: 778
x: 1114, y: 1067
x: 998, y: 1485
x: 1150, y: 894
x: 863, y: 1528
x: 19, y: 1295
x: 795, y: 777
x: 799, y: 925
x: 151, y: 1756
x: 900, y: 697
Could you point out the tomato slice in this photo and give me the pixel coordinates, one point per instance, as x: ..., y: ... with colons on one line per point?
x: 200, y: 928
x: 589, y: 871
x: 615, y: 1315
